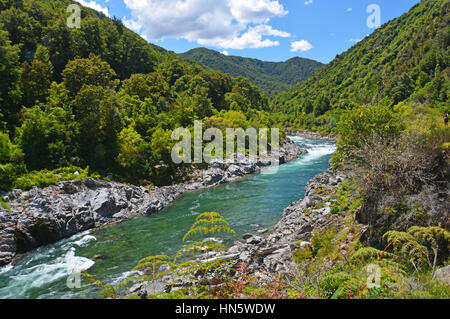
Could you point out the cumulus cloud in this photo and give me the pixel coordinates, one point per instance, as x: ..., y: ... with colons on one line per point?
x: 94, y: 5
x: 230, y: 24
x: 225, y: 52
x: 252, y: 39
x: 308, y: 2
x: 301, y: 45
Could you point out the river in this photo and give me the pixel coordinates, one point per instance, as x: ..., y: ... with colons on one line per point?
x: 252, y: 203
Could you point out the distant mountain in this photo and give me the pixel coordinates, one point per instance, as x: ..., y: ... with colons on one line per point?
x: 271, y: 77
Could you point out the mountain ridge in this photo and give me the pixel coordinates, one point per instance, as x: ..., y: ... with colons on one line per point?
x: 271, y: 77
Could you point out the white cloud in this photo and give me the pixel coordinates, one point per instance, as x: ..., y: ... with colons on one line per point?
x: 350, y: 9
x: 225, y: 52
x: 94, y: 5
x: 230, y: 24
x: 301, y: 45
x: 132, y: 24
x: 308, y: 2
x: 354, y: 40
x: 252, y: 39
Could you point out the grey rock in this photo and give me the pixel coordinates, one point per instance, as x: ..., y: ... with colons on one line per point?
x: 443, y: 275
x: 254, y: 240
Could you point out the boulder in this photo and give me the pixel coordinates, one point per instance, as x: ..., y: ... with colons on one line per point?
x: 443, y: 275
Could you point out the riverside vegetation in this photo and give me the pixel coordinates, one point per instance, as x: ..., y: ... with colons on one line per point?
x: 384, y: 203
x: 60, y: 85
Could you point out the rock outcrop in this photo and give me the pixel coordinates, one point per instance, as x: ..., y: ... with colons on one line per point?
x: 43, y: 216
x: 272, y: 253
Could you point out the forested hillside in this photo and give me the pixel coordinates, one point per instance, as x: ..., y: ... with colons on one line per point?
x: 406, y: 59
x: 100, y: 98
x: 270, y: 77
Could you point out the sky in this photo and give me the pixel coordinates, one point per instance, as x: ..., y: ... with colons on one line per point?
x: 269, y: 30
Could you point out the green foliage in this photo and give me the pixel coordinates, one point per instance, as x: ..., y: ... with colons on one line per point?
x: 46, y: 137
x: 10, y: 94
x: 420, y: 245
x: 406, y: 59
x: 4, y: 204
x: 357, y: 126
x: 345, y: 201
x: 92, y: 71
x: 45, y: 178
x: 323, y: 243
x: 207, y: 224
x: 406, y: 267
x: 131, y: 153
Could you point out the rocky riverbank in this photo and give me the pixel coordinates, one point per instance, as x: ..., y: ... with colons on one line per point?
x: 268, y: 253
x: 43, y: 216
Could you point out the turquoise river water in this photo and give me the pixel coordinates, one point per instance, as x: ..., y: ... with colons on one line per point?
x: 254, y: 202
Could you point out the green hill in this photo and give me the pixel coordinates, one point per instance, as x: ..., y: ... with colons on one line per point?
x: 271, y: 77
x: 100, y: 97
x: 407, y: 59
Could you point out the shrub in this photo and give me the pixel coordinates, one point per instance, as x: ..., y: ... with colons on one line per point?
x: 45, y: 178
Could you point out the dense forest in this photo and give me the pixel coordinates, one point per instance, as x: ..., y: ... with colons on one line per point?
x: 100, y: 99
x: 406, y: 59
x: 270, y: 77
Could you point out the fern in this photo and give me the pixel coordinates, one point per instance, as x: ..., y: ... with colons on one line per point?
x: 419, y: 243
x: 208, y: 224
x: 107, y: 290
x: 216, y: 269
x: 369, y: 254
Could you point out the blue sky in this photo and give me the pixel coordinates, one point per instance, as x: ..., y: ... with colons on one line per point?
x: 270, y: 30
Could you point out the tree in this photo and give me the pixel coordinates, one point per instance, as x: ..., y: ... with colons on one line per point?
x: 184, y: 110
x: 321, y: 105
x: 6, y: 148
x: 10, y: 92
x: 172, y: 69
x: 132, y: 155
x: 46, y: 137
x: 96, y: 111
x: 36, y: 79
x: 23, y: 29
x: 59, y: 41
x: 161, y: 145
x: 152, y: 85
x: 91, y: 71
x: 308, y: 107
x: 356, y: 127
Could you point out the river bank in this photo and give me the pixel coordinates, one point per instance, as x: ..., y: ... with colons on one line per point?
x: 268, y: 253
x: 43, y: 216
